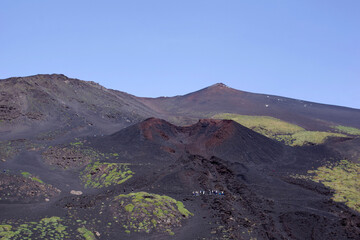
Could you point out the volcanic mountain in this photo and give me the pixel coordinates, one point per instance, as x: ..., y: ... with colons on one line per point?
x: 220, y: 98
x: 79, y: 161
x: 49, y: 105
x: 45, y: 104
x: 208, y: 137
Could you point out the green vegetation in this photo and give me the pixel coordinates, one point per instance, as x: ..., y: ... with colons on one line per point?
x: 77, y: 143
x: 46, y: 228
x: 129, y: 207
x: 347, y: 130
x: 26, y: 174
x: 29, y: 175
x: 98, y: 175
x: 264, y: 125
x: 182, y: 209
x: 307, y: 137
x: 279, y: 130
x: 145, y: 212
x: 88, y: 235
x: 344, y: 178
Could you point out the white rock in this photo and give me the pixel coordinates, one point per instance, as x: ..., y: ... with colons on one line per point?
x: 76, y: 192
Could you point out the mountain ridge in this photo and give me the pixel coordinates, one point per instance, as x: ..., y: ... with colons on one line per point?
x: 40, y: 100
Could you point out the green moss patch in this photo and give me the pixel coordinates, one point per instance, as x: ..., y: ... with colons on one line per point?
x: 46, y: 228
x: 307, y: 138
x: 78, y: 143
x: 282, y: 131
x: 344, y: 179
x: 29, y: 175
x: 88, y: 235
x: 102, y: 174
x: 26, y: 174
x: 265, y: 125
x: 347, y: 130
x: 146, y: 212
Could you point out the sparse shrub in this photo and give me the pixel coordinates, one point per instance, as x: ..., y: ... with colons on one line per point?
x: 347, y: 130
x: 138, y: 214
x: 103, y: 174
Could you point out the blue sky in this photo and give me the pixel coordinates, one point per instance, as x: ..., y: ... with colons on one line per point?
x: 308, y: 49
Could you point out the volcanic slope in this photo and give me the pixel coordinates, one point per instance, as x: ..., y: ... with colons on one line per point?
x: 208, y: 137
x: 138, y: 183
x: 53, y: 105
x: 64, y: 177
x: 220, y: 98
x: 263, y: 199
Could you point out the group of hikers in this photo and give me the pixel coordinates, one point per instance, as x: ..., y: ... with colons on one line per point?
x: 209, y: 192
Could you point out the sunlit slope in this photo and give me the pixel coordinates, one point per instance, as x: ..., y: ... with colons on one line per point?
x: 348, y: 130
x: 277, y: 129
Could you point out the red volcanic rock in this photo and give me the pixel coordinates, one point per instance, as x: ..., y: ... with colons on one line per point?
x: 208, y: 137
x: 152, y: 127
x: 211, y: 130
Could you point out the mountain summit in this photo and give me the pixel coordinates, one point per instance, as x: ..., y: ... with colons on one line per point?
x: 43, y: 102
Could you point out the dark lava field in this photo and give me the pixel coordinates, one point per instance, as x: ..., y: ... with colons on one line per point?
x: 79, y: 161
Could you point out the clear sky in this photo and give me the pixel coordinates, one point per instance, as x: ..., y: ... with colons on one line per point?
x: 308, y: 49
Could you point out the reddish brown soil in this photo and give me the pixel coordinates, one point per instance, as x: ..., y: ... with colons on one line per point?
x: 19, y: 189
x: 66, y: 157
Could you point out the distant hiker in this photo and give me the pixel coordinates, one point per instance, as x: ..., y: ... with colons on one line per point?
x: 4, y: 170
x: 132, y: 189
x: 222, y: 192
x: 124, y: 190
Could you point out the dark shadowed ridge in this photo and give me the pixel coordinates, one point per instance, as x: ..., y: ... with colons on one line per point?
x: 208, y: 137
